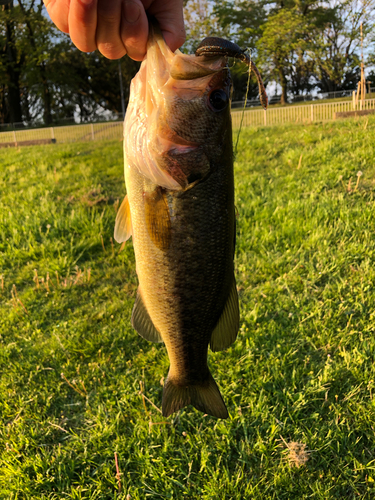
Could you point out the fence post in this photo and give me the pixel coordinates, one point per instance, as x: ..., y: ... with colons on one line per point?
x: 265, y: 117
x: 92, y: 132
x: 353, y: 100
x: 312, y: 112
x: 52, y: 134
x: 14, y: 137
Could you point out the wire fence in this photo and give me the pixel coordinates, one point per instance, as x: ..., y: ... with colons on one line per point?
x: 114, y: 130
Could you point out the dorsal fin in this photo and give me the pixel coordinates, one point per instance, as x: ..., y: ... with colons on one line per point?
x: 142, y: 322
x: 123, y: 224
x: 226, y: 329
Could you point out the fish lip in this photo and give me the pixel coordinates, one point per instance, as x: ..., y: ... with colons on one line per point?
x: 186, y: 67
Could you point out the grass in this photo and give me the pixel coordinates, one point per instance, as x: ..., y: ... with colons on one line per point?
x: 78, y: 385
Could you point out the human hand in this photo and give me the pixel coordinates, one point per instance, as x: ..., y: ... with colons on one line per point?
x: 117, y: 27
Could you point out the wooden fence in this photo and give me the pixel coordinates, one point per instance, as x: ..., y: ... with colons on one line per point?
x: 113, y: 130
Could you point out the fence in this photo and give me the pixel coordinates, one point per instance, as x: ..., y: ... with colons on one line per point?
x: 275, y: 99
x: 114, y: 130
x: 296, y: 114
x: 68, y: 133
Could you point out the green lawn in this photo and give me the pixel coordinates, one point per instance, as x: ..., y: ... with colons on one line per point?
x: 299, y: 382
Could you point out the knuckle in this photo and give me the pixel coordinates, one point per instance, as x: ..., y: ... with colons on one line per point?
x: 111, y: 50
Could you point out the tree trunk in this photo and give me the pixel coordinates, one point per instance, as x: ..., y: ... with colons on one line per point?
x: 284, y: 86
x: 4, y: 112
x: 47, y: 116
x: 46, y: 95
x: 13, y: 72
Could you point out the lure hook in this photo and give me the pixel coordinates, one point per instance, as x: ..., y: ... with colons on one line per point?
x: 215, y: 46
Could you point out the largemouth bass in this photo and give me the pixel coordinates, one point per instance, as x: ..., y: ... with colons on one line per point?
x: 180, y: 211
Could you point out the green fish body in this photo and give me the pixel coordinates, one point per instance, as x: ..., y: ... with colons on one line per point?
x: 180, y: 211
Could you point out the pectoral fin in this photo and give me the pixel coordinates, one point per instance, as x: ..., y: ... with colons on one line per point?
x: 226, y: 329
x: 158, y: 220
x: 142, y: 322
x: 123, y: 224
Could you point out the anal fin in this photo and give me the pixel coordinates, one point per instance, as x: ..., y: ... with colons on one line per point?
x: 123, y: 224
x: 226, y: 328
x: 142, y: 322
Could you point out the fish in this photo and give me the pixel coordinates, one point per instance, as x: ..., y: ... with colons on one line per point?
x: 179, y: 210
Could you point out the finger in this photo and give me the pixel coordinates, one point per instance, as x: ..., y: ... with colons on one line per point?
x: 58, y: 11
x: 82, y: 24
x: 108, y: 38
x: 134, y: 29
x: 169, y: 14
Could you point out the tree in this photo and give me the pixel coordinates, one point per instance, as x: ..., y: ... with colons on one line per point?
x: 281, y: 35
x: 337, y: 46
x: 90, y: 82
x: 43, y: 77
x: 37, y: 44
x: 240, y: 21
x: 11, y: 62
x: 287, y: 43
x: 200, y: 22
x: 205, y: 18
x: 301, y: 44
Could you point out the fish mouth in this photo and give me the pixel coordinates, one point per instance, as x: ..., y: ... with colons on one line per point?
x: 187, y: 68
x: 164, y: 94
x: 184, y: 74
x: 178, y: 65
x: 179, y: 75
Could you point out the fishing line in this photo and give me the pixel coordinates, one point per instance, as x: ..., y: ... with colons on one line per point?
x: 244, y: 107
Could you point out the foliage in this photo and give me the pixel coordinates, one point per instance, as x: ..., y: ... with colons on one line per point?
x: 337, y: 51
x: 45, y: 77
x: 201, y: 21
x: 301, y: 45
x: 282, y: 38
x: 11, y: 62
x: 240, y: 21
x: 299, y: 380
x: 88, y: 83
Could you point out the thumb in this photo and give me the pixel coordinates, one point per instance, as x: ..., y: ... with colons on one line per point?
x: 169, y: 14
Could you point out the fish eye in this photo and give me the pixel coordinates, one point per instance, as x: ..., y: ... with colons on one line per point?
x: 218, y: 100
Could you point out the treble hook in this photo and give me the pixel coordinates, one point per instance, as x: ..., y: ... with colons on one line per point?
x: 215, y: 46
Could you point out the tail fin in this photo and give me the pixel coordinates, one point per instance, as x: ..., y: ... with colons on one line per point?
x: 204, y: 397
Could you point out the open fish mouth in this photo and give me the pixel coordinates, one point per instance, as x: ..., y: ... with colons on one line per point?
x: 160, y: 106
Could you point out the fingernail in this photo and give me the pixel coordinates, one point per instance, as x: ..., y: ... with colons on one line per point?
x: 131, y: 12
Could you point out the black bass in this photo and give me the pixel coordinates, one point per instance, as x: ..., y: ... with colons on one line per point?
x: 180, y: 211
